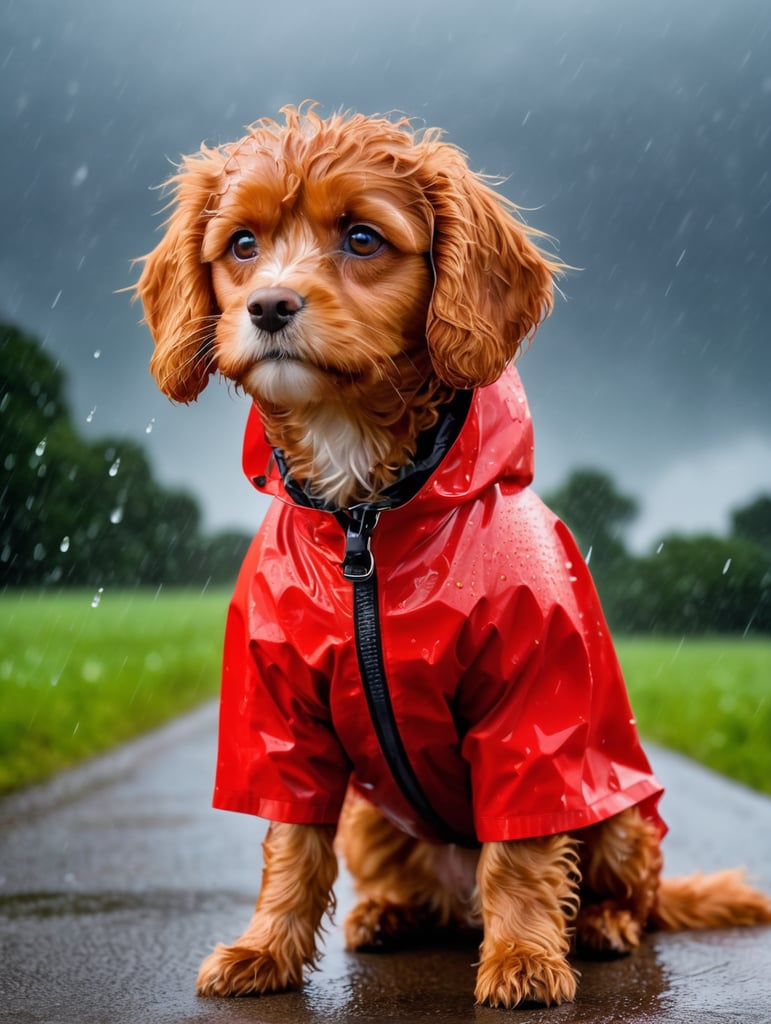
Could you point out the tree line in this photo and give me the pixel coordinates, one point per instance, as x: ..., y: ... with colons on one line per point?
x: 88, y: 513
x: 79, y: 512
x: 686, y: 583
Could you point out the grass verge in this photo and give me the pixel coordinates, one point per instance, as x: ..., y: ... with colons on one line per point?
x: 709, y: 698
x: 77, y: 678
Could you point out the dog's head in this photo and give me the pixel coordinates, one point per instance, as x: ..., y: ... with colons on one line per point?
x: 312, y: 256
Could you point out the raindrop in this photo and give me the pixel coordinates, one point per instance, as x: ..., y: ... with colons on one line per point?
x: 727, y: 566
x: 79, y: 176
x: 40, y: 450
x: 589, y: 554
x: 55, y: 303
x: 660, y: 548
x: 90, y: 417
x: 92, y: 670
x: 153, y: 661
x: 97, y: 353
x: 150, y: 425
x: 65, y: 544
x: 97, y: 598
x: 116, y: 516
x: 113, y: 470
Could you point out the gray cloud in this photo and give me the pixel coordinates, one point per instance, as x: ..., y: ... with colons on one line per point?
x: 638, y: 134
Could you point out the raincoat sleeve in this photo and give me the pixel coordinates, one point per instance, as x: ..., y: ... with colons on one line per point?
x: 278, y: 756
x: 554, y: 747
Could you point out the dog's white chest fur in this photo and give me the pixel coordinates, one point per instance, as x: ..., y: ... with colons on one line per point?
x: 343, y: 453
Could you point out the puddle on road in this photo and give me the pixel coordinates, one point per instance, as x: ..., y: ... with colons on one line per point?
x: 80, y: 904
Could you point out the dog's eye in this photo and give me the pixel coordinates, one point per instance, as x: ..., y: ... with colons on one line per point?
x: 243, y: 245
x: 362, y: 241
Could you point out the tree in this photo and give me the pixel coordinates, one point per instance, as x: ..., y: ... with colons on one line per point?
x: 689, y: 584
x: 753, y: 523
x: 597, y: 514
x: 593, y: 509
x: 78, y: 512
x: 40, y: 452
x: 696, y: 585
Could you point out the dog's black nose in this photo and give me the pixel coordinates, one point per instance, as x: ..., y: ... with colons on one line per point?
x: 273, y: 308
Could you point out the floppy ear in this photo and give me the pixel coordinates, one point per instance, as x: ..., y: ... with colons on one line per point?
x: 492, y: 284
x: 175, y: 284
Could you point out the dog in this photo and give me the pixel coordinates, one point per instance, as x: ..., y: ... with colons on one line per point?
x: 417, y: 670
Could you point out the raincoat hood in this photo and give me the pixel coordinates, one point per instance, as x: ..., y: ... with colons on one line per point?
x: 468, y: 687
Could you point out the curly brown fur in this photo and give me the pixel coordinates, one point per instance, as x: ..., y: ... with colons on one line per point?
x: 380, y: 339
x: 404, y: 884
x: 723, y: 899
x: 598, y: 889
x: 397, y: 276
x: 528, y: 891
x: 273, y: 953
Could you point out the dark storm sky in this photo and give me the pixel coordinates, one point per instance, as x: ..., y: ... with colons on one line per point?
x: 638, y: 133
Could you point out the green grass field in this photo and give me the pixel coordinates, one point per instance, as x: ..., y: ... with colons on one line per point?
x: 77, y: 679
x: 707, y: 697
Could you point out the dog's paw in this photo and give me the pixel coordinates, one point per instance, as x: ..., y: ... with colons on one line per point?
x: 241, y: 971
x: 510, y: 977
x: 607, y: 929
x: 376, y: 924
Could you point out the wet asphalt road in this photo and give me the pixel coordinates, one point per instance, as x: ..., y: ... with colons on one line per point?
x: 117, y: 878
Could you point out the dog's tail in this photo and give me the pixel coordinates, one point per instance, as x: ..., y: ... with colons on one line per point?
x: 720, y: 900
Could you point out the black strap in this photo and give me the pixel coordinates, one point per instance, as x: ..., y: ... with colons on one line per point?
x: 369, y: 649
x: 359, y: 567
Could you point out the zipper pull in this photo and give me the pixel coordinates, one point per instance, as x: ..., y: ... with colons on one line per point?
x: 359, y: 562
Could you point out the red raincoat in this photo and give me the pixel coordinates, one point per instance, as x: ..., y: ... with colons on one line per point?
x: 504, y: 685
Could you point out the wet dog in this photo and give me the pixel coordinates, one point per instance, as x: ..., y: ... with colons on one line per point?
x: 412, y: 627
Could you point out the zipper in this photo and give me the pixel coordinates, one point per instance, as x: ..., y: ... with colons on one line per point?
x: 359, y: 567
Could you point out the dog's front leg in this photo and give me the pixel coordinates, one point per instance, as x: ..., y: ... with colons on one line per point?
x: 529, y: 895
x: 300, y: 868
